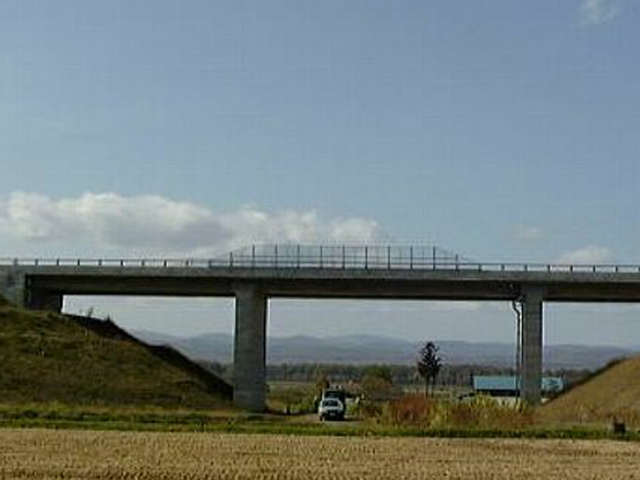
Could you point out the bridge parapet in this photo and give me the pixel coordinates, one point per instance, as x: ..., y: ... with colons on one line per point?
x: 328, y: 257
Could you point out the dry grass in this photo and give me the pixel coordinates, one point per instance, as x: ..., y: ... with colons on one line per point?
x: 615, y: 393
x: 480, y: 413
x: 47, y: 357
x: 39, y: 454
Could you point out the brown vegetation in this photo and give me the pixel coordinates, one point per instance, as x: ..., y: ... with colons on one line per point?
x: 481, y: 412
x: 40, y: 454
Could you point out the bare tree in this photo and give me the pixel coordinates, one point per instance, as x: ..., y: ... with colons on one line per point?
x: 429, y: 364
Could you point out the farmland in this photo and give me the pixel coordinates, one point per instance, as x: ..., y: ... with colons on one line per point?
x: 39, y: 454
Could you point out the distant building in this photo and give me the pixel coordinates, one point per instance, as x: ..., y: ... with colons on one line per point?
x: 506, y: 387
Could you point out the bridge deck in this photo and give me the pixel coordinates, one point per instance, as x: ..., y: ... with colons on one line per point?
x: 458, y: 282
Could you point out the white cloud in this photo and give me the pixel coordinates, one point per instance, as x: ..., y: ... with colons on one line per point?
x: 597, y: 12
x: 529, y: 234
x: 250, y: 225
x: 587, y: 255
x: 155, y: 223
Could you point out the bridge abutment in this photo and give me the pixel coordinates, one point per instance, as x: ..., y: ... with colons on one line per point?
x: 13, y: 286
x: 43, y: 300
x: 249, y: 355
x: 532, y: 310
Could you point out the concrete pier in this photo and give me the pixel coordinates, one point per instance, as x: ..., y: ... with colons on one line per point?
x: 532, y: 308
x: 249, y: 355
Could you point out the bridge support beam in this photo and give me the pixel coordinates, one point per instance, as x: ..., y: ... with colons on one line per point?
x: 249, y: 356
x: 531, y: 381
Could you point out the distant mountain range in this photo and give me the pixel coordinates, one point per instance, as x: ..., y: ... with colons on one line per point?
x: 366, y: 349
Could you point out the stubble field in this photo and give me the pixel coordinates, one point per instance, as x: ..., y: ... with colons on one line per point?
x: 39, y: 454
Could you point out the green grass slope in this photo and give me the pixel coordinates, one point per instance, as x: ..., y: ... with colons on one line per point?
x: 614, y: 393
x: 46, y: 357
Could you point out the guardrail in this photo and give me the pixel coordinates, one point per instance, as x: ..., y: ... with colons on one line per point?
x: 328, y: 257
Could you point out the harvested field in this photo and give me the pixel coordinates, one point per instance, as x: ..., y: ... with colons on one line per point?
x: 39, y: 454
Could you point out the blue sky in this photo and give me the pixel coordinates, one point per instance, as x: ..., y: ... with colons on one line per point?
x: 504, y: 130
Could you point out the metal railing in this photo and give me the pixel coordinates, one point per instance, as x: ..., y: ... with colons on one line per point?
x: 329, y: 257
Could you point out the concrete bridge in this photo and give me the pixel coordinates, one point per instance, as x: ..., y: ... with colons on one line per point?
x: 255, y: 274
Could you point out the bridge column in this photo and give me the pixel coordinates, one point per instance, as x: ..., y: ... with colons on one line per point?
x: 249, y: 356
x: 531, y: 382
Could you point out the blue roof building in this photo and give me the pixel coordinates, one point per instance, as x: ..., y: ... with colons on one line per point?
x: 507, y: 386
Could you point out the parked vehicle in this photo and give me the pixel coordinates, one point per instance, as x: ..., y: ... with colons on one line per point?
x: 335, y: 392
x: 331, y: 408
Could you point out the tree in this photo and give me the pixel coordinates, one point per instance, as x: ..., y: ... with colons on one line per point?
x: 429, y: 365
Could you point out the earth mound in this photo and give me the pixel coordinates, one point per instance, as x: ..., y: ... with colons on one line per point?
x: 48, y: 357
x: 611, y: 395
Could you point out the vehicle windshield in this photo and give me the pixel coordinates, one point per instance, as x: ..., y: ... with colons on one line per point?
x: 330, y: 403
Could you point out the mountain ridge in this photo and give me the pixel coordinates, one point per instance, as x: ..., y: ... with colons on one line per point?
x: 367, y: 349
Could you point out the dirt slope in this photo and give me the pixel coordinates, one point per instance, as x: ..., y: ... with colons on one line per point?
x: 614, y: 393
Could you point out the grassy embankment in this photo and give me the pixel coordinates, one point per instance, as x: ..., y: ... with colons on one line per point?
x: 613, y: 393
x: 57, y: 363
